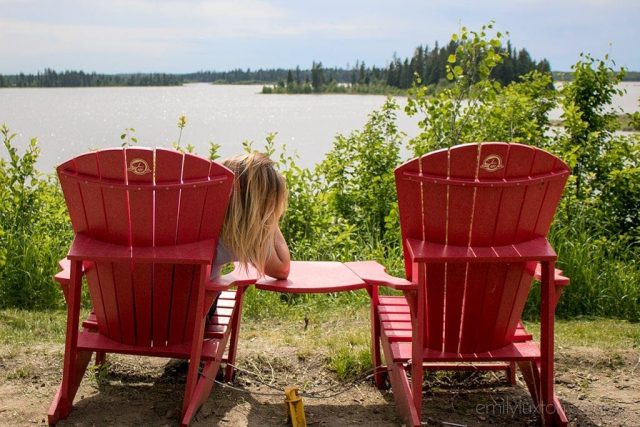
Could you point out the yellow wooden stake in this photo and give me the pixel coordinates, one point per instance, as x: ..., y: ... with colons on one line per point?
x: 295, y: 407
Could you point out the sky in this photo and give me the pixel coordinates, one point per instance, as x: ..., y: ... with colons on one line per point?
x: 121, y: 36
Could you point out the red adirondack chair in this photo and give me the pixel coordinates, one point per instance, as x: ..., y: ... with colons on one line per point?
x: 146, y: 225
x: 474, y: 221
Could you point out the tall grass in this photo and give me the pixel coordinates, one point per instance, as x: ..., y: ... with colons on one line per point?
x: 605, y: 280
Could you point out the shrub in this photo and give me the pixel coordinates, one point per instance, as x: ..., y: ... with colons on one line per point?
x: 36, y: 229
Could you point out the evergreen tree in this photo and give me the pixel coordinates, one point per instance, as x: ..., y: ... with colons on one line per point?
x: 317, y: 76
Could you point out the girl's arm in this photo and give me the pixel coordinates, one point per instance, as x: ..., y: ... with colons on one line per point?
x: 279, y: 261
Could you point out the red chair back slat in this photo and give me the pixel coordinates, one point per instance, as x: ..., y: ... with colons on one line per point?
x: 489, y: 194
x: 142, y: 197
x: 116, y: 294
x: 479, y: 277
x: 140, y: 165
x: 461, y: 201
x: 72, y: 191
x: 168, y: 170
x: 433, y: 228
x: 190, y: 218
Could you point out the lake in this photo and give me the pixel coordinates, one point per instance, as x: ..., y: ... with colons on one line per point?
x: 69, y: 121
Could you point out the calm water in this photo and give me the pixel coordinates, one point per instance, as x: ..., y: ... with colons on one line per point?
x: 69, y: 121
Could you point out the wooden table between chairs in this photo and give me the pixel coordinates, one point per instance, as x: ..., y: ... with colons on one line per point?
x: 314, y: 277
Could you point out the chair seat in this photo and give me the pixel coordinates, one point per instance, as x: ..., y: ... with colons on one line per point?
x: 94, y: 341
x: 216, y: 327
x: 516, y: 351
x: 396, y: 322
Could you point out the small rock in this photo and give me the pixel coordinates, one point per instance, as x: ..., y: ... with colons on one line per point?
x: 169, y: 414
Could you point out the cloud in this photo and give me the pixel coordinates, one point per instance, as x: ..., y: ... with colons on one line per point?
x: 151, y: 28
x: 39, y: 33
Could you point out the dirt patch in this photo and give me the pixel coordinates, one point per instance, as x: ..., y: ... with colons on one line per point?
x: 595, y: 387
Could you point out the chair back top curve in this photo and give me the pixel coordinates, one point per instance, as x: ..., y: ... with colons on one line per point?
x: 145, y: 197
x: 481, y: 195
x: 142, y: 197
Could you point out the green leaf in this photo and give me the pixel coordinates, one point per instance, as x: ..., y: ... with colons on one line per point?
x: 457, y: 70
x: 452, y: 59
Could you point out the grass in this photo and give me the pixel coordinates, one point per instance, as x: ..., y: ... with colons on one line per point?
x: 22, y: 327
x: 323, y: 327
x: 601, y: 285
x: 601, y: 333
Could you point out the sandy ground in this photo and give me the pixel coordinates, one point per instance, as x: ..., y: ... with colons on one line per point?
x: 595, y: 388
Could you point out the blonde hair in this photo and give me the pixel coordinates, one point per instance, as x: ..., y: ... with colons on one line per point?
x: 258, y: 200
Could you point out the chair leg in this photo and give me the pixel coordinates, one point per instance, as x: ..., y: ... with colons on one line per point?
x: 75, y: 361
x: 101, y: 358
x: 511, y: 373
x: 401, y: 388
x: 203, y: 386
x: 416, y: 385
x: 190, y: 402
x: 531, y: 375
x: 378, y: 374
x: 555, y: 413
x: 551, y: 409
x: 63, y: 401
x: 235, y: 332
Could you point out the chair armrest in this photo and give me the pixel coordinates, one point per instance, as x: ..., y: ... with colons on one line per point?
x: 240, y: 276
x: 533, y: 250
x: 63, y: 277
x: 88, y: 249
x: 559, y: 278
x: 375, y: 274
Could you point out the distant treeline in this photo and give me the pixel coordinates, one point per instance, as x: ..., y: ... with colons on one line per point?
x: 51, y: 78
x: 429, y: 64
x: 629, y: 76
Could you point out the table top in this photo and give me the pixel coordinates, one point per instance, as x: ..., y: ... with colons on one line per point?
x: 314, y: 277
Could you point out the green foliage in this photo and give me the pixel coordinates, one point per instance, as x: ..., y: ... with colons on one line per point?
x: 213, y: 150
x: 127, y: 137
x: 456, y: 113
x: 634, y: 121
x: 357, y: 174
x: 36, y: 229
x: 518, y: 113
x: 588, y: 141
x: 189, y: 148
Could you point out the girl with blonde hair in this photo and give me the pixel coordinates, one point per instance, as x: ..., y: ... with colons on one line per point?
x: 251, y: 232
